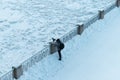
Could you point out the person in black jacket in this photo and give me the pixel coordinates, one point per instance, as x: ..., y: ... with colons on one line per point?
x: 60, y: 46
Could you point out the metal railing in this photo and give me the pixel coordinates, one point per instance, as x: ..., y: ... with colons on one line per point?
x: 7, y: 76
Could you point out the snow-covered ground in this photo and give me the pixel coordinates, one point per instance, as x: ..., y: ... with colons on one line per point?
x: 27, y: 25
x: 95, y: 55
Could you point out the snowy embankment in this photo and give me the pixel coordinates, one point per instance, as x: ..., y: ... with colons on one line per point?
x: 97, y: 56
x: 26, y: 26
x: 92, y: 56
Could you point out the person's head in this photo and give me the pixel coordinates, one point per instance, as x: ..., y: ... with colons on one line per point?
x: 58, y: 40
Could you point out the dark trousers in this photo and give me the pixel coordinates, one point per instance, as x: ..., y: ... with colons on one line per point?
x: 59, y: 53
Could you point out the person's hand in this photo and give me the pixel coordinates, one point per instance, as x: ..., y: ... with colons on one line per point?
x: 53, y: 39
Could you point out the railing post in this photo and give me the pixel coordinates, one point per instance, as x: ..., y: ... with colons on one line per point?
x: 101, y: 14
x: 52, y: 48
x: 118, y: 3
x: 17, y: 71
x: 80, y: 28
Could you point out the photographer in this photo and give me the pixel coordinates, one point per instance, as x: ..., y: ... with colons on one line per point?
x: 59, y: 45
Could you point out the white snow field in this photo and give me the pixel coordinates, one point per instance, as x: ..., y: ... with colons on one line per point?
x: 95, y: 55
x: 27, y: 25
